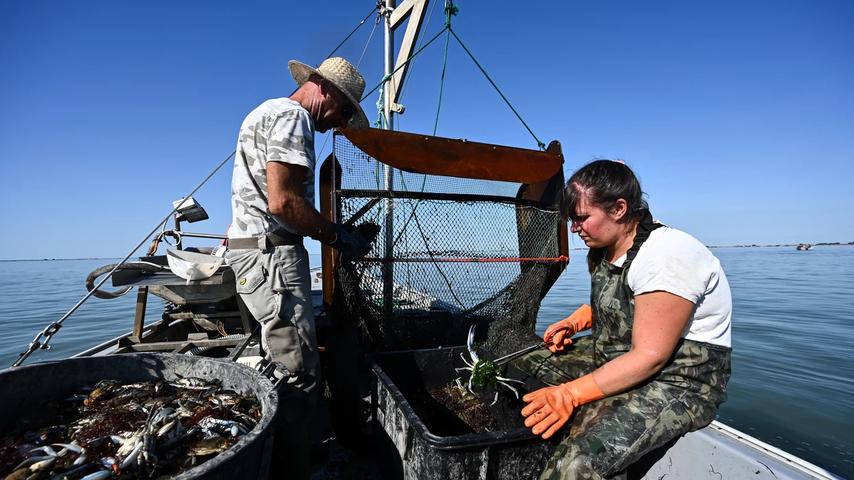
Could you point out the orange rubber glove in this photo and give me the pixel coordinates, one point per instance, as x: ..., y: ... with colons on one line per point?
x: 549, y: 408
x: 559, y: 333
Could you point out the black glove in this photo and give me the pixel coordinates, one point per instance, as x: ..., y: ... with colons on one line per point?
x: 354, y: 242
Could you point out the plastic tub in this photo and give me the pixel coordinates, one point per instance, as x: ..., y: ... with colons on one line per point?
x: 432, y: 442
x: 27, y: 389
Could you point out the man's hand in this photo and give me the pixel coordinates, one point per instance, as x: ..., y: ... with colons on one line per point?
x: 354, y: 242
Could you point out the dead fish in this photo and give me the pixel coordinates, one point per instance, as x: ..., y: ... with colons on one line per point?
x: 128, y: 445
x: 122, y: 430
x: 42, y: 465
x: 132, y: 456
x: 168, y: 427
x: 81, y: 459
x: 46, y: 449
x: 30, y: 461
x: 99, y: 475
x: 68, y: 447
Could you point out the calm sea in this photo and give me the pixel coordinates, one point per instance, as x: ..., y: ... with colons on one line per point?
x: 793, y: 336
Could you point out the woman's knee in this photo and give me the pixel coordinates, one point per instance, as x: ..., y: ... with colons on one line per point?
x: 577, y: 466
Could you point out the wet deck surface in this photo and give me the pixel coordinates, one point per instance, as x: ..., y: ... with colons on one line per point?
x: 332, y: 461
x: 376, y: 457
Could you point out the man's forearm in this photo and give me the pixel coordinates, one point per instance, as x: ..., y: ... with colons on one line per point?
x: 300, y: 215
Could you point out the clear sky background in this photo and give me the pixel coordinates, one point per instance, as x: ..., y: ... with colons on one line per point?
x: 737, y: 116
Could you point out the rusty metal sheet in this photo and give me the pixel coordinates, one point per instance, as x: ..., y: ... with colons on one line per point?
x: 420, y: 153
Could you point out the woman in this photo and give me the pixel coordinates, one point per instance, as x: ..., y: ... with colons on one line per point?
x: 657, y: 363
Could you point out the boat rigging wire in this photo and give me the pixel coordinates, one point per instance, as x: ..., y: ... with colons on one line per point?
x: 361, y: 57
x: 412, y: 65
x: 450, y: 10
x: 539, y: 143
x: 386, y: 78
x: 403, y: 64
x: 352, y: 32
x: 43, y: 338
x: 368, y: 43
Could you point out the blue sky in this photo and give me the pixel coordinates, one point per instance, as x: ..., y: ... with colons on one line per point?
x: 737, y: 116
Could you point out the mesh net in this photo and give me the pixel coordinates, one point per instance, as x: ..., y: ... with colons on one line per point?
x: 457, y: 252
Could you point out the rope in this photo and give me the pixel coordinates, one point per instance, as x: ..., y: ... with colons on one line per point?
x: 539, y: 143
x: 412, y: 66
x: 351, y: 33
x: 54, y: 327
x: 450, y: 10
x: 387, y: 77
x: 381, y: 120
x: 432, y: 259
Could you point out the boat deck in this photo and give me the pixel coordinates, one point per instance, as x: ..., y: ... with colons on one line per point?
x: 715, y: 452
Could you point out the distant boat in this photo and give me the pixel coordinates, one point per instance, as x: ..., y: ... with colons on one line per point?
x: 804, y: 246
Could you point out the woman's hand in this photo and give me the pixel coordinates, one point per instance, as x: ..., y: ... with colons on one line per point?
x: 559, y: 334
x: 549, y: 408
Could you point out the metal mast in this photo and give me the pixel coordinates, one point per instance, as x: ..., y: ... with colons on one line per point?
x: 388, y: 172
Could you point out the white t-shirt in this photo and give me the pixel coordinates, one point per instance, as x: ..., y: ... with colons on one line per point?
x: 675, y: 262
x: 278, y: 130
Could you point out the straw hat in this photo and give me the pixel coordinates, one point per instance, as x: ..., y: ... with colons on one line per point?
x: 343, y: 75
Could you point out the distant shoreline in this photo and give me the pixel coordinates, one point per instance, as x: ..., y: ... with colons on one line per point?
x: 821, y: 244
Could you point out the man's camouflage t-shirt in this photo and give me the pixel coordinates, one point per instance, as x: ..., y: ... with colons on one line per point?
x: 279, y: 130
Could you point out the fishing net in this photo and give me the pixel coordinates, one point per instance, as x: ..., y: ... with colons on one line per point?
x: 451, y: 253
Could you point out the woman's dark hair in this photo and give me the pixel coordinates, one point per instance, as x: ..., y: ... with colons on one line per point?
x: 605, y: 181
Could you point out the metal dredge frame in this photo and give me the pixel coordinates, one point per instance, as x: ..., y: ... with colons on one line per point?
x: 457, y: 238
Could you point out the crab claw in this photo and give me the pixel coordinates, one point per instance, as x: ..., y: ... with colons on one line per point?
x: 470, y: 345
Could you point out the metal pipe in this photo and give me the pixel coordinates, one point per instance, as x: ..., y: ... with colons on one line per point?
x: 388, y: 268
x: 519, y: 353
x: 179, y: 244
x: 389, y: 64
x: 201, y: 235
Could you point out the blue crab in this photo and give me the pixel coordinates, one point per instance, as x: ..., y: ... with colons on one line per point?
x: 483, y: 372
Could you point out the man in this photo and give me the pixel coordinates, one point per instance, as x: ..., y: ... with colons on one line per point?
x: 272, y: 196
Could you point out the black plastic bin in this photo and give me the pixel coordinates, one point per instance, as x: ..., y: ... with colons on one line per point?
x: 27, y: 389
x: 431, y: 441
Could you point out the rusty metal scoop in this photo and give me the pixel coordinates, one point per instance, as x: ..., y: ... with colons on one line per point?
x: 510, y: 356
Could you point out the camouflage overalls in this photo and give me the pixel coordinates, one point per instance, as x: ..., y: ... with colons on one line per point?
x: 608, y: 435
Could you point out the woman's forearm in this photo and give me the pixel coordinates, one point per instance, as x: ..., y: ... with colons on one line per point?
x: 626, y: 371
x: 659, y: 319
